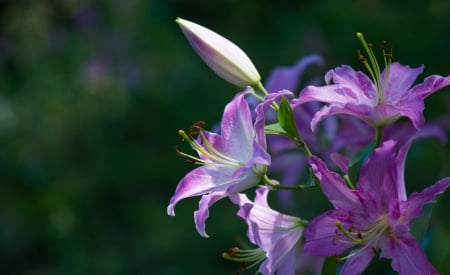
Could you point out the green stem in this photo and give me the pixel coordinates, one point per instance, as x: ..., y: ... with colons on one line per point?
x: 378, y: 135
x: 260, y: 87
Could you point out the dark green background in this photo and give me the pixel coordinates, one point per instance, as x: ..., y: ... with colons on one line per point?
x: 92, y: 95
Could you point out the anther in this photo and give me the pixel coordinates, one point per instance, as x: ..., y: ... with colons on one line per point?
x: 232, y: 251
x: 374, y: 249
x: 360, y: 56
x: 196, y: 128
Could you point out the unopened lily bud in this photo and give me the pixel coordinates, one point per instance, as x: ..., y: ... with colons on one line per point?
x: 221, y: 55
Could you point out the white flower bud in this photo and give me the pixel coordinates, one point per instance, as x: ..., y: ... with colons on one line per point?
x: 221, y: 55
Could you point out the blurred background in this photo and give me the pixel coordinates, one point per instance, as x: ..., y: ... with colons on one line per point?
x: 92, y: 94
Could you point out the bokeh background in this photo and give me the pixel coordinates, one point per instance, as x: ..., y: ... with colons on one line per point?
x: 92, y: 95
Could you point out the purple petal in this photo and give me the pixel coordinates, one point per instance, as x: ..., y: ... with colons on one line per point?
x: 340, y: 161
x: 411, y: 106
x: 198, y: 182
x: 287, y: 78
x: 321, y: 236
x: 412, y: 208
x: 400, y: 80
x: 333, y: 186
x: 202, y: 213
x: 362, y: 112
x: 405, y: 134
x: 333, y: 93
x: 287, y: 266
x: 430, y: 85
x: 261, y: 110
x: 357, y: 81
x: 406, y: 254
x: 281, y: 258
x: 378, y: 177
x: 237, y: 129
x: 358, y: 263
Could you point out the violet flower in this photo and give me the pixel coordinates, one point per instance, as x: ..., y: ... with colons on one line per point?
x: 231, y: 162
x: 375, y: 216
x: 379, y: 102
x: 277, y: 235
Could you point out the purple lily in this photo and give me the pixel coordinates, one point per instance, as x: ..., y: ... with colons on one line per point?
x: 379, y: 102
x: 276, y: 234
x: 374, y: 216
x: 231, y: 162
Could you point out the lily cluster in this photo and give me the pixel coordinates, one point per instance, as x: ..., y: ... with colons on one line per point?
x: 356, y: 156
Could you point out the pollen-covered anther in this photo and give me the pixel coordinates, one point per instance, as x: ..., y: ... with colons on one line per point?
x: 196, y: 128
x: 361, y: 57
x: 247, y: 257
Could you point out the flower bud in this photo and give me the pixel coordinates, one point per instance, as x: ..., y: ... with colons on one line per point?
x: 221, y: 55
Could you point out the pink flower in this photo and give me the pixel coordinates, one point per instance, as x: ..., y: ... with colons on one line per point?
x: 378, y: 102
x: 231, y: 162
x: 278, y: 235
x: 374, y: 216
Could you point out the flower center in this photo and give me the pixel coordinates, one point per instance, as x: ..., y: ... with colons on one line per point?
x: 208, y: 155
x: 248, y: 257
x: 367, y: 236
x: 374, y: 68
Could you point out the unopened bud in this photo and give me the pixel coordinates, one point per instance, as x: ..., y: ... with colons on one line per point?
x: 221, y: 55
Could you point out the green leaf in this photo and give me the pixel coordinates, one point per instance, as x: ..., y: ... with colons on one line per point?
x: 286, y: 120
x: 330, y: 265
x: 275, y: 129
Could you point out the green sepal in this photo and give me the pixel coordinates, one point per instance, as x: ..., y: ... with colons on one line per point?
x: 287, y: 122
x: 357, y: 161
x: 330, y: 265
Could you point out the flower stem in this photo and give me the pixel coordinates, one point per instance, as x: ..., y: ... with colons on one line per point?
x: 260, y: 87
x: 378, y: 135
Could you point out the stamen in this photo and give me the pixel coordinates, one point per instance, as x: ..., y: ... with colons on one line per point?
x: 253, y: 256
x: 347, y: 233
x: 367, y: 237
x: 196, y: 128
x: 374, y: 67
x: 205, y: 148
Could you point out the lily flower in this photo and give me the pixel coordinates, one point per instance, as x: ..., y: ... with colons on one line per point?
x: 379, y: 102
x: 221, y: 55
x: 374, y: 216
x: 277, y: 235
x: 230, y: 162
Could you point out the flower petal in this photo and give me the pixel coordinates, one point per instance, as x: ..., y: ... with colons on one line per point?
x: 237, y: 129
x: 357, y: 263
x: 400, y: 79
x: 406, y: 254
x: 333, y: 186
x: 412, y: 208
x: 378, y: 177
x: 287, y: 78
x: 321, y: 236
x: 202, y: 213
x: 430, y: 85
x: 354, y: 80
x: 199, y: 181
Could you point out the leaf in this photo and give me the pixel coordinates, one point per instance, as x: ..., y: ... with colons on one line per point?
x: 275, y: 129
x: 286, y: 120
x: 330, y: 265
